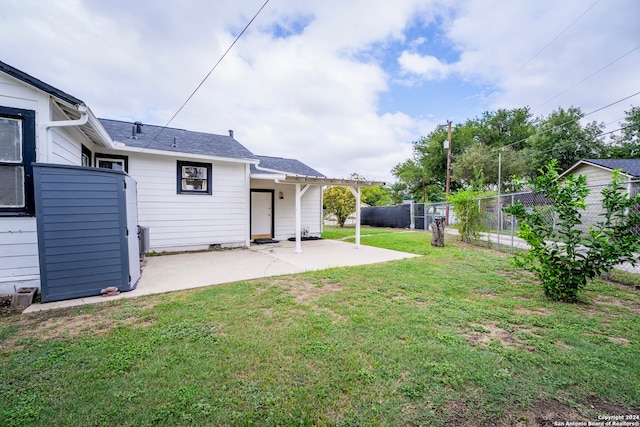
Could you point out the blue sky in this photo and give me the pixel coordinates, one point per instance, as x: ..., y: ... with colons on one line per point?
x: 342, y: 86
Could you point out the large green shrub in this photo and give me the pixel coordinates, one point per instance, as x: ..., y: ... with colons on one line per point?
x: 467, y: 208
x: 340, y: 202
x: 560, y: 254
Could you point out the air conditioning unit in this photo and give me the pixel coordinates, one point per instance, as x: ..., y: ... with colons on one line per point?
x: 143, y: 239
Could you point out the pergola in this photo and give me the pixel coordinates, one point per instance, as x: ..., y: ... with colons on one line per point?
x: 303, y: 183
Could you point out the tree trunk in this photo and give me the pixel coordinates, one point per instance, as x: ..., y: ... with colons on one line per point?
x: 437, y: 231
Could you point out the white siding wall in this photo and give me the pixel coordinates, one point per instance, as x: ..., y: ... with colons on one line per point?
x: 190, y: 221
x: 19, y: 265
x: 66, y: 149
x: 595, y: 175
x: 285, y: 208
x: 597, y: 179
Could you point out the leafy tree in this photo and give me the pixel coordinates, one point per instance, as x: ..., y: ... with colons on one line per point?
x: 415, y: 183
x: 627, y: 144
x: 340, y: 202
x: 413, y: 178
x: 397, y: 192
x: 479, y: 160
x: 562, y: 137
x: 505, y: 127
x: 424, y: 175
x: 376, y: 196
x: 560, y: 254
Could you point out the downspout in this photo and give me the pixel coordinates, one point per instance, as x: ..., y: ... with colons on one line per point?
x: 84, y: 118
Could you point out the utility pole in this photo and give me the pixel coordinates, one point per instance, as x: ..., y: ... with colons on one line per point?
x: 499, y: 195
x: 448, y: 184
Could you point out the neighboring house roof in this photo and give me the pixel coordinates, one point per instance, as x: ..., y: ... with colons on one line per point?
x: 286, y: 166
x: 39, y: 84
x: 176, y: 140
x: 630, y: 167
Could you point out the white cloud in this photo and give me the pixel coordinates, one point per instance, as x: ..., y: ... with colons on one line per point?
x: 306, y: 80
x: 533, y: 53
x: 427, y: 66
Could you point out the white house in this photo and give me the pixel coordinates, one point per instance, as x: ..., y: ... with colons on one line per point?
x: 198, y: 190
x: 598, y: 174
x: 194, y: 190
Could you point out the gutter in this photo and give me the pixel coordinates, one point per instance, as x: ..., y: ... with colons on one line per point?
x: 84, y: 117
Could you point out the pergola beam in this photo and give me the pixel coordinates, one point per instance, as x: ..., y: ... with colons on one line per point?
x: 303, y: 183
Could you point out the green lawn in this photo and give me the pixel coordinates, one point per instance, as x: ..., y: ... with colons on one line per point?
x: 454, y: 337
x: 331, y: 232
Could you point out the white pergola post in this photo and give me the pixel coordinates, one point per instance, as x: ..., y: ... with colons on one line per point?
x: 356, y: 193
x: 299, y: 193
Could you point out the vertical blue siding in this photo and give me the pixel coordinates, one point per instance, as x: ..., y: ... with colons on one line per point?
x: 81, y: 219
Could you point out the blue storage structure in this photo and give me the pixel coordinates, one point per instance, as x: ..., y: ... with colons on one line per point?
x: 87, y: 230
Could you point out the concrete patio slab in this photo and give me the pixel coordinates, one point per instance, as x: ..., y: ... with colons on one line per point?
x: 170, y: 273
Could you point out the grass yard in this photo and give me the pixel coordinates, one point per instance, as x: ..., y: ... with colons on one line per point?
x: 342, y: 233
x: 455, y: 337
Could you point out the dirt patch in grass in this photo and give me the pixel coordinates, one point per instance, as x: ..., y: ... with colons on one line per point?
x: 73, y: 326
x: 606, y: 408
x: 536, y: 311
x: 608, y: 306
x: 67, y: 323
x: 483, y: 335
x: 633, y: 306
x: 544, y: 413
x: 619, y: 340
x: 305, y: 292
x: 459, y: 414
x: 547, y: 412
x: 552, y: 412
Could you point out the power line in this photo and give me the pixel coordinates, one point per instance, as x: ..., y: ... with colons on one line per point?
x: 537, y: 153
x: 571, y: 121
x: 588, y: 77
x: 551, y: 42
x: 208, y: 74
x: 543, y: 48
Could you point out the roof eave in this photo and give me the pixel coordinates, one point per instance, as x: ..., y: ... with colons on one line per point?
x: 101, y: 132
x: 586, y: 162
x: 331, y: 181
x: 119, y: 146
x: 39, y: 84
x: 268, y: 176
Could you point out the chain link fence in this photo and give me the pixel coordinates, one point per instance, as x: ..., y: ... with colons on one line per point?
x: 499, y: 230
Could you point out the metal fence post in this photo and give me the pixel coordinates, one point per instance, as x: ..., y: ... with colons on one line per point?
x: 513, y: 226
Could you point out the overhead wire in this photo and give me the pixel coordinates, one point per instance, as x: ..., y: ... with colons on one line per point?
x: 576, y: 84
x: 588, y: 77
x: 571, y: 121
x: 208, y: 74
x: 529, y: 156
x: 543, y: 48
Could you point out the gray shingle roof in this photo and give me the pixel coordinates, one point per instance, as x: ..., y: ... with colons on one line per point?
x: 185, y: 141
x: 628, y: 166
x: 39, y: 84
x: 289, y: 166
